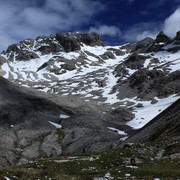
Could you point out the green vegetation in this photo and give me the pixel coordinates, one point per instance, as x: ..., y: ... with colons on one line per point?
x: 112, y: 164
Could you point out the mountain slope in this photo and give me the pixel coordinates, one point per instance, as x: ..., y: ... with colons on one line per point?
x: 35, y: 125
x: 99, y: 95
x: 128, y: 75
x: 164, y: 125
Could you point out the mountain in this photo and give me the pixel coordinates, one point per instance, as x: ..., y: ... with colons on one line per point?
x: 69, y: 93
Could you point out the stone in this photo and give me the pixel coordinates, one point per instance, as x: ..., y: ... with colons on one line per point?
x: 133, y: 162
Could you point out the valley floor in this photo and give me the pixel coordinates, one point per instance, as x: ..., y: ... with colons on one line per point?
x: 112, y: 164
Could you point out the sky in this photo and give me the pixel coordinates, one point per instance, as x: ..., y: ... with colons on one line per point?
x: 117, y: 21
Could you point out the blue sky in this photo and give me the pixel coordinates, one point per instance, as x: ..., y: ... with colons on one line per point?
x: 118, y: 21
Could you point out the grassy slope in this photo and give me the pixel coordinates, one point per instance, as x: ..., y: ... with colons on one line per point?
x: 100, y: 164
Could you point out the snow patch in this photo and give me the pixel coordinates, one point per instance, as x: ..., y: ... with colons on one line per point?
x: 117, y: 130
x: 64, y: 116
x: 58, y: 126
x: 148, y: 111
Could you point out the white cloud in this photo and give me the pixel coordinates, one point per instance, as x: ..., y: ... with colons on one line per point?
x: 22, y: 19
x: 145, y: 34
x: 172, y: 23
x: 141, y: 31
x: 106, y: 30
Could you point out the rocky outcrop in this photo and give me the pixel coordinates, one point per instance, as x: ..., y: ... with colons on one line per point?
x: 107, y: 55
x: 160, y: 41
x: 26, y: 55
x: 47, y: 45
x: 25, y: 129
x: 73, y: 41
x: 122, y: 113
x: 143, y: 45
x: 148, y: 84
x: 117, y: 52
x: 177, y: 36
x: 162, y: 38
x: 143, y: 82
x: 29, y: 49
x: 2, y: 60
x: 69, y: 65
x: 134, y: 61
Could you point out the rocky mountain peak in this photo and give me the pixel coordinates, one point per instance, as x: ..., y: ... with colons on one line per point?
x: 63, y: 41
x: 162, y: 38
x: 73, y: 41
x: 177, y: 36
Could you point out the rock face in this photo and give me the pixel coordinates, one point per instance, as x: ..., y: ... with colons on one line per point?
x: 162, y: 38
x: 32, y: 49
x: 143, y: 45
x: 177, y: 36
x: 134, y: 61
x: 26, y: 131
x: 73, y: 41
x: 29, y: 49
x: 146, y: 83
x: 2, y: 60
x: 24, y: 121
x: 160, y: 41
